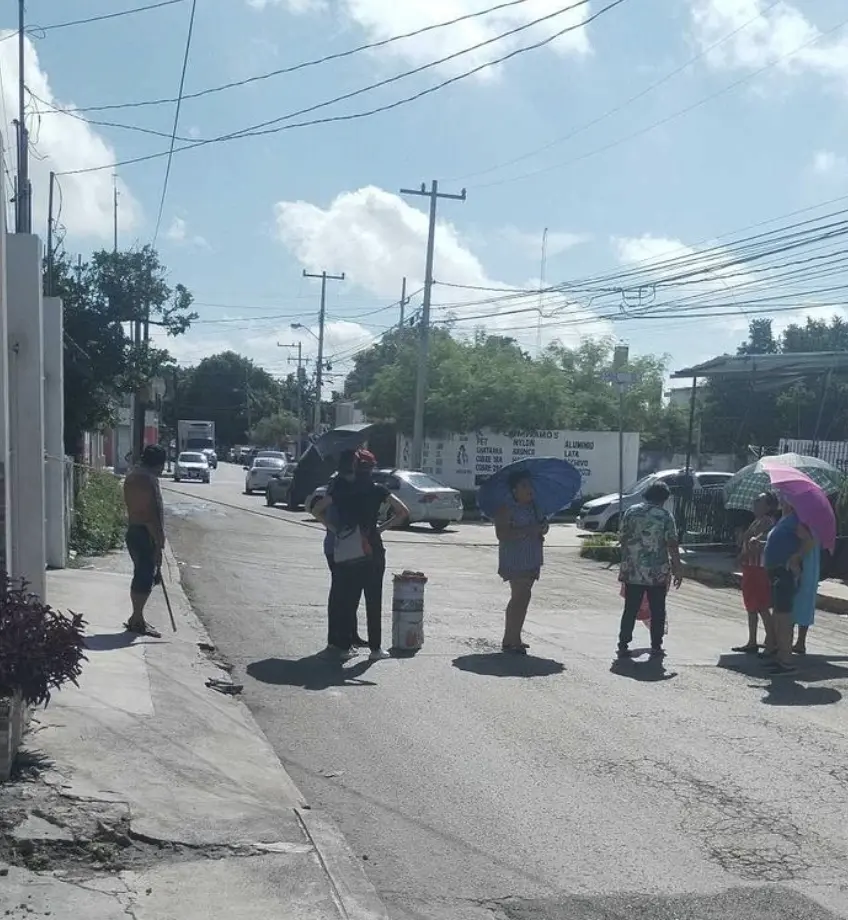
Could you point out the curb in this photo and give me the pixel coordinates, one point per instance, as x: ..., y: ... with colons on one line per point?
x: 355, y: 896
x: 707, y: 576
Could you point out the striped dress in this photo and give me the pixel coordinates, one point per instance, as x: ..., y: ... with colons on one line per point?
x: 523, y: 557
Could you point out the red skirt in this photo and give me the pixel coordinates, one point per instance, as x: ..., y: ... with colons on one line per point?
x: 756, y: 588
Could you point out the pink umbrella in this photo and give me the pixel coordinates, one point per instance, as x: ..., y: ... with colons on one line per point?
x: 810, y: 502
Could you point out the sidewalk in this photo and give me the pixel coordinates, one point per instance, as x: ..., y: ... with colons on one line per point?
x: 157, y: 797
x: 721, y: 569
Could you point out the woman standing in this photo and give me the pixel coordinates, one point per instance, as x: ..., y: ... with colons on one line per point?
x: 357, y: 501
x: 804, y: 607
x: 756, y: 588
x: 521, y: 535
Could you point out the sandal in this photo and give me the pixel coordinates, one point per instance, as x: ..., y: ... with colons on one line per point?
x: 746, y: 649
x: 799, y: 649
x: 514, y: 649
x: 145, y: 629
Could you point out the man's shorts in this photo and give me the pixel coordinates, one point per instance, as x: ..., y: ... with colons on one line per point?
x: 143, y: 554
x: 784, y: 586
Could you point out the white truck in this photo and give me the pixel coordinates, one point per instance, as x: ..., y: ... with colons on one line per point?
x: 195, y: 435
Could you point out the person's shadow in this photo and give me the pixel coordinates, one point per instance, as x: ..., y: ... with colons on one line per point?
x: 499, y: 664
x: 110, y: 642
x: 650, y: 670
x: 314, y: 672
x: 790, y: 690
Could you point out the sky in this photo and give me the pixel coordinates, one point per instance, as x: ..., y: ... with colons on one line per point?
x: 632, y: 130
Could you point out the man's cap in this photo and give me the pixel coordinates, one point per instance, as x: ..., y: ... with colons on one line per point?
x: 365, y: 458
x: 153, y: 455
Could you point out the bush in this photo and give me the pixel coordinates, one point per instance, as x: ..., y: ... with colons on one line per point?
x: 40, y: 648
x: 602, y: 547
x: 99, y: 516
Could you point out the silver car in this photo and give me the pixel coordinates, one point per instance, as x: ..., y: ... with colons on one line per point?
x: 192, y: 465
x: 261, y: 473
x: 429, y: 501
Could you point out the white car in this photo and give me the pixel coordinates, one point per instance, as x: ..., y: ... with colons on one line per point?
x: 601, y: 514
x: 261, y: 473
x: 192, y: 465
x: 429, y: 501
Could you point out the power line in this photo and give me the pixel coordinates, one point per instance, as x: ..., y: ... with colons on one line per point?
x: 176, y: 121
x: 294, y: 68
x: 263, y: 128
x: 39, y: 31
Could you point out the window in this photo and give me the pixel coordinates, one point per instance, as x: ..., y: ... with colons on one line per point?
x: 422, y: 481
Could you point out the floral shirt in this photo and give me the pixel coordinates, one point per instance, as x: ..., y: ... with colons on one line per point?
x: 646, y: 531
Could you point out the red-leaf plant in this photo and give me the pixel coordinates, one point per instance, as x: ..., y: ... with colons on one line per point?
x: 40, y: 648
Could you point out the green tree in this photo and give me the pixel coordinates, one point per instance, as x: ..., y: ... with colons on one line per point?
x: 100, y: 298
x: 275, y: 430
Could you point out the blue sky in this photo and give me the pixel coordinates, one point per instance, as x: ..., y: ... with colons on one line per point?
x: 243, y: 219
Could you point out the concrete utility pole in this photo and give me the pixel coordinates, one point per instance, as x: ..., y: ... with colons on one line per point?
x: 49, y: 285
x: 404, y: 300
x: 115, y: 212
x: 23, y: 192
x: 424, y: 349
x: 299, y: 393
x: 319, y: 364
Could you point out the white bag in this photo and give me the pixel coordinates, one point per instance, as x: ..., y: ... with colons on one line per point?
x: 350, y: 546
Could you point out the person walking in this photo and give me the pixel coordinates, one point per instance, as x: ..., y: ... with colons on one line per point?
x: 756, y: 588
x: 145, y: 536
x: 788, y: 545
x: 521, y: 536
x: 650, y: 561
x: 357, y: 502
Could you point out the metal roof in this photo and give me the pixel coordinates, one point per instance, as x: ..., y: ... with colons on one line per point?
x: 777, y: 368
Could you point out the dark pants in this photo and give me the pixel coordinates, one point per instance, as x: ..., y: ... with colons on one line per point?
x: 349, y: 582
x: 143, y: 554
x: 633, y: 595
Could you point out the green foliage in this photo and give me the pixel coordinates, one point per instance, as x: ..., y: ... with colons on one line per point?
x: 602, y: 547
x: 99, y: 514
x: 274, y: 430
x: 490, y: 382
x: 233, y: 392
x: 736, y: 413
x: 100, y: 298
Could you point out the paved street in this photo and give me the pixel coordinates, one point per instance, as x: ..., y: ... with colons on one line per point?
x: 477, y: 787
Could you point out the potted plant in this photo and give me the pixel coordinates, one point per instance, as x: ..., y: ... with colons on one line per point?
x: 40, y: 650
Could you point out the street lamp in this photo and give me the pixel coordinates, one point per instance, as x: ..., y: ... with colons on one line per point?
x: 306, y: 329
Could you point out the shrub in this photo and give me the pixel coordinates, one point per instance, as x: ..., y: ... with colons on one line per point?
x: 99, y: 516
x: 40, y: 648
x: 602, y: 547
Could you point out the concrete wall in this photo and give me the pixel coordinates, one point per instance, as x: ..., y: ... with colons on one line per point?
x: 54, y: 433
x: 26, y: 410
x: 5, y: 513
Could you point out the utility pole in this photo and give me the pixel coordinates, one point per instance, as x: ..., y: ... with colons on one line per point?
x: 299, y: 392
x: 23, y: 193
x: 424, y: 330
x: 115, y: 211
x: 49, y: 285
x: 404, y: 300
x: 319, y: 364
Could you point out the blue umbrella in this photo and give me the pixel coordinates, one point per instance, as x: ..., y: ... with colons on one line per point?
x: 556, y: 483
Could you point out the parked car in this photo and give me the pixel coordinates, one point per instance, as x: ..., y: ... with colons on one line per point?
x: 192, y: 465
x: 429, y: 501
x: 259, y: 475
x: 211, y: 457
x: 601, y: 514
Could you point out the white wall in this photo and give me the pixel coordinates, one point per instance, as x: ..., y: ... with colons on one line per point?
x: 5, y: 509
x: 26, y: 409
x: 465, y: 460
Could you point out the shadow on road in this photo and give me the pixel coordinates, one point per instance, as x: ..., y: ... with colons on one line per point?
x: 311, y: 673
x: 110, y: 642
x: 787, y: 691
x: 498, y: 664
x: 649, y: 672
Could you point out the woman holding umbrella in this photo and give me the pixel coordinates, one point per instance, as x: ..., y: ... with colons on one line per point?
x: 520, y: 498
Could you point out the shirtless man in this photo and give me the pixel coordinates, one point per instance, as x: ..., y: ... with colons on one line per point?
x: 145, y: 532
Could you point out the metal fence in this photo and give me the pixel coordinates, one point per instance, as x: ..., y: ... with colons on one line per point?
x: 835, y: 452
x: 702, y: 518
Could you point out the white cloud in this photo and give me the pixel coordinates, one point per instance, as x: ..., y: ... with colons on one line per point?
x: 377, y: 237
x: 382, y: 19
x: 531, y: 243
x: 777, y: 31
x: 60, y: 142
x: 830, y: 164
x: 178, y: 233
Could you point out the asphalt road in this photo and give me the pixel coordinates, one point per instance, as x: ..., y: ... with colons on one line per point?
x: 554, y: 787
